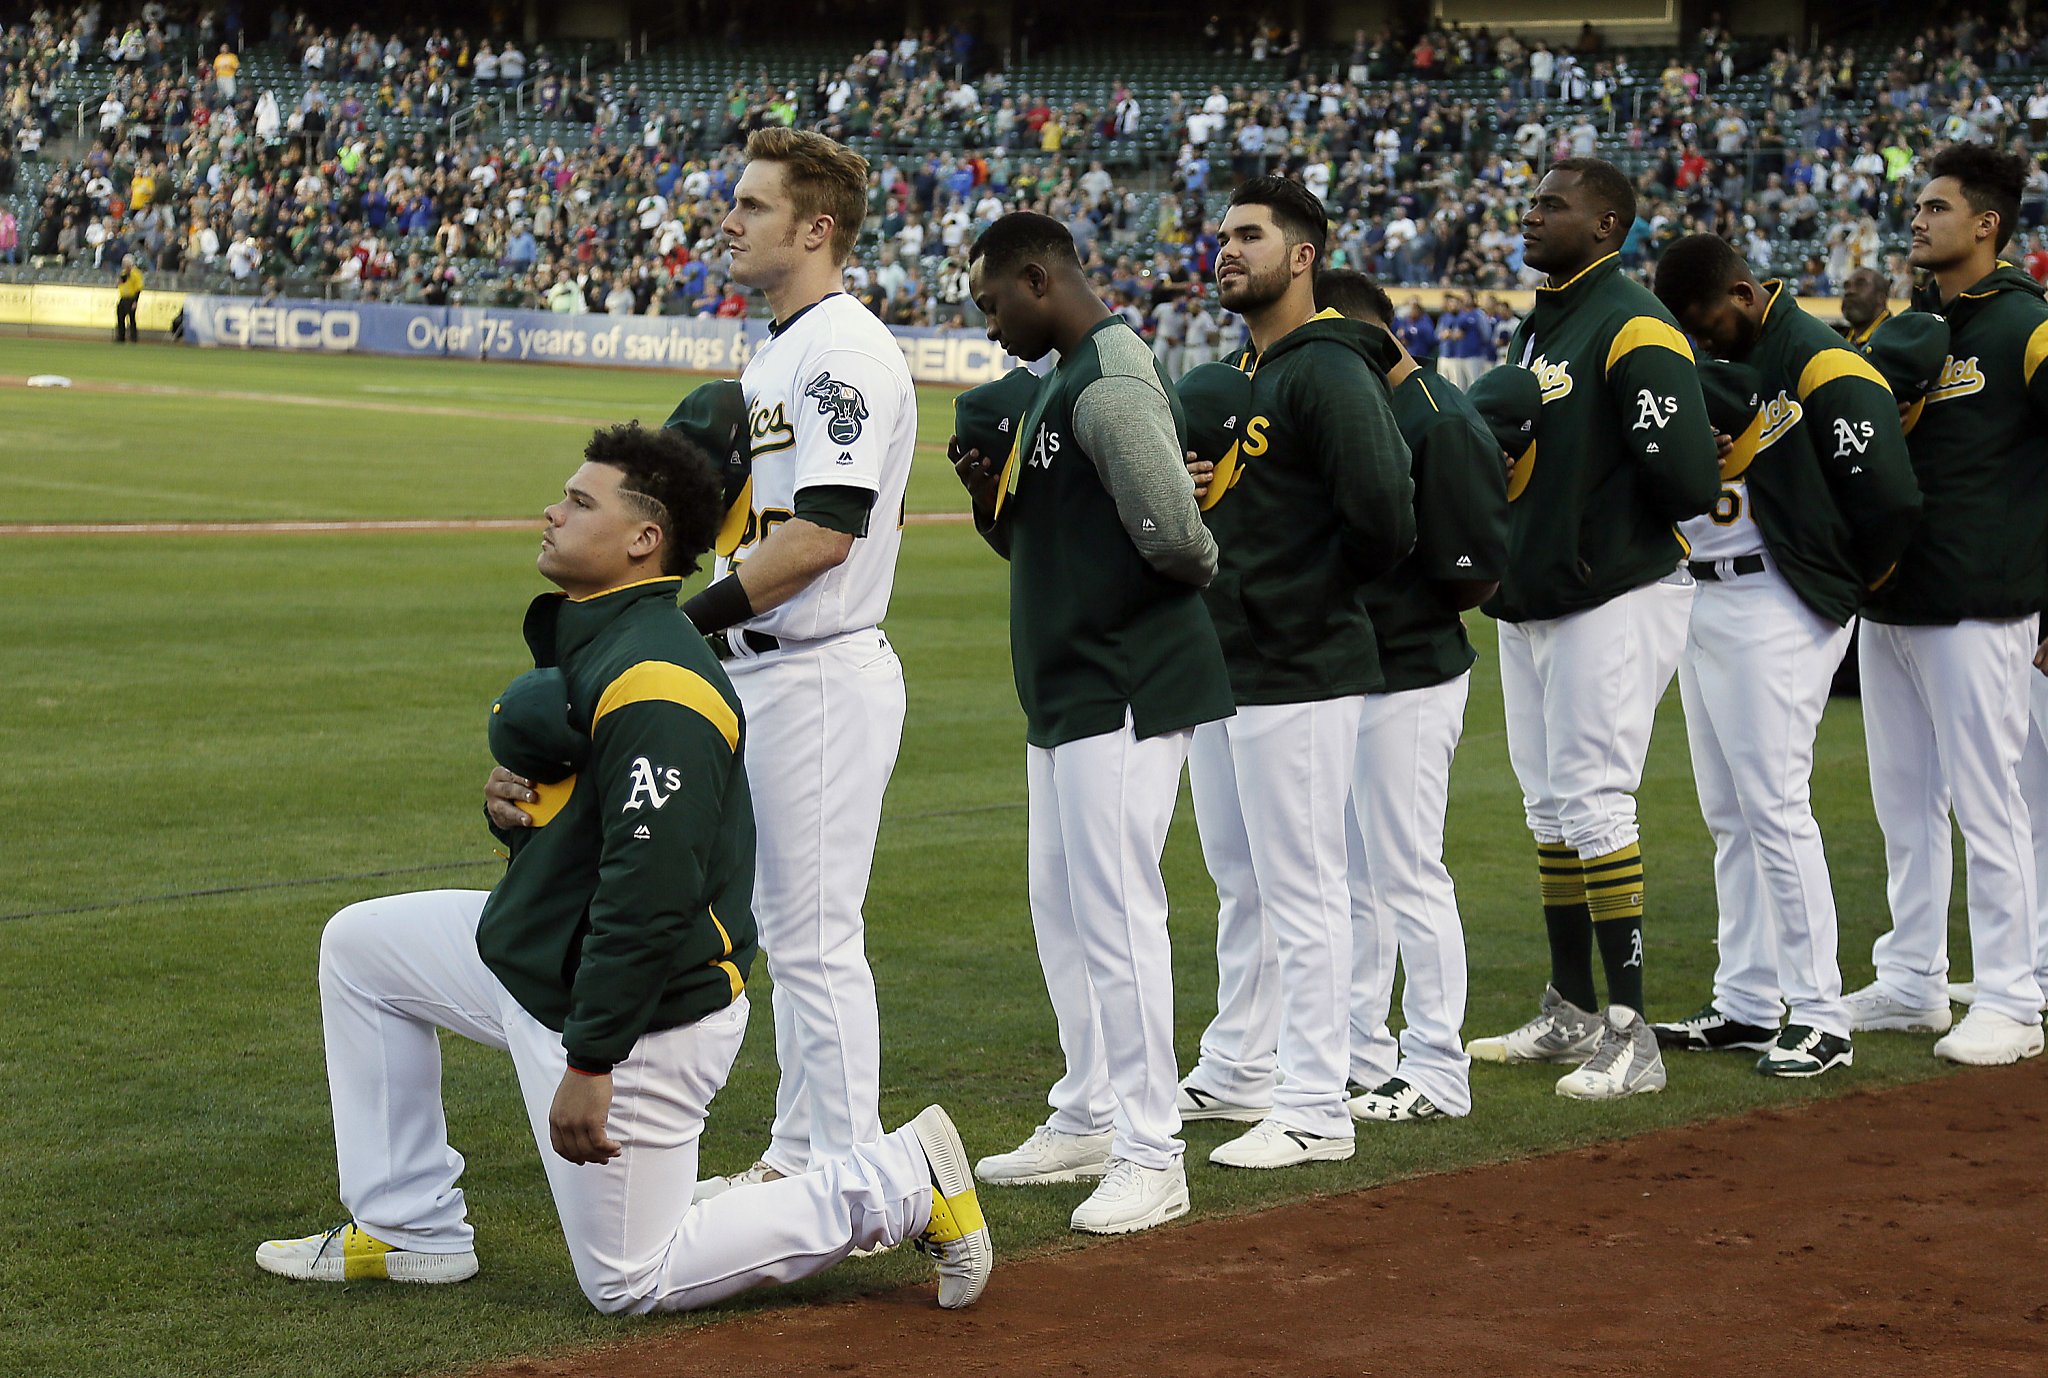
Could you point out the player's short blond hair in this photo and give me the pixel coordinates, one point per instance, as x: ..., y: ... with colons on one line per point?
x: 825, y: 178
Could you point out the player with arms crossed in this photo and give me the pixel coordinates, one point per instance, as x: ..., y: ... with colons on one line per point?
x: 1116, y: 662
x: 1817, y: 502
x: 1316, y: 504
x: 1593, y: 610
x: 793, y: 613
x: 610, y: 961
x: 1946, y: 641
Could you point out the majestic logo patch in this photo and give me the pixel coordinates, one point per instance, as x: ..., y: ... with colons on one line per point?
x: 1959, y: 378
x: 1555, y: 380
x: 1652, y: 411
x: 1851, y: 438
x: 843, y: 403
x: 652, y: 784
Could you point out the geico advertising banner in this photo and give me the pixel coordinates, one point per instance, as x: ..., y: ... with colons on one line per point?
x: 465, y: 332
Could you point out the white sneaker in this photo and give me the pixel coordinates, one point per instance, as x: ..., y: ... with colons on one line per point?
x: 1871, y: 1008
x: 1270, y: 1144
x: 1047, y: 1156
x: 346, y: 1254
x: 956, y: 1237
x: 1560, y: 1032
x: 1627, y: 1062
x: 1133, y: 1198
x: 1962, y: 993
x: 1195, y: 1104
x: 718, y: 1186
x: 1987, y: 1038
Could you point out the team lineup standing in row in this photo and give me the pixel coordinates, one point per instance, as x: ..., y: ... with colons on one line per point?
x: 1257, y: 572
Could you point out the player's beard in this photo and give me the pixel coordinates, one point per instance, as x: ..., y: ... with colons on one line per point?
x: 1255, y: 290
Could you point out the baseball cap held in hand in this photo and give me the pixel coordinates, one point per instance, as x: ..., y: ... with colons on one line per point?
x: 1217, y: 399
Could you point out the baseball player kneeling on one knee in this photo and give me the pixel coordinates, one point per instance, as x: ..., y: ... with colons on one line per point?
x: 610, y: 961
x: 794, y: 614
x: 1946, y: 641
x: 1116, y: 662
x: 1312, y: 504
x: 1593, y: 610
x: 1817, y: 502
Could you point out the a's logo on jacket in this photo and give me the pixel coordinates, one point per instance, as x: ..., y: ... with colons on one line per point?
x: 1652, y: 411
x: 1959, y: 378
x: 652, y: 784
x: 843, y: 403
x: 1554, y: 380
x: 1852, y: 438
x: 1781, y: 414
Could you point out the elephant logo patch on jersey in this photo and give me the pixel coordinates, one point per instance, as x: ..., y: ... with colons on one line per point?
x: 843, y: 403
x: 1652, y: 411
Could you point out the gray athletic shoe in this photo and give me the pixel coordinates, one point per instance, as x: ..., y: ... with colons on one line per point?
x: 1560, y: 1032
x: 1626, y: 1064
x: 1872, y: 1008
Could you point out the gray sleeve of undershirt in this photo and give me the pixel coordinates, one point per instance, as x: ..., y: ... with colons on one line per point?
x: 1125, y: 425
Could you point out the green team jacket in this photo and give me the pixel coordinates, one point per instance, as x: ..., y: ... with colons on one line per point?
x: 628, y: 905
x: 1095, y: 631
x: 1980, y: 452
x: 1829, y: 479
x: 1461, y: 532
x: 1623, y: 448
x: 1317, y: 505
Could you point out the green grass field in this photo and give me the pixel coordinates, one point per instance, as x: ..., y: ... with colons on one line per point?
x: 214, y: 742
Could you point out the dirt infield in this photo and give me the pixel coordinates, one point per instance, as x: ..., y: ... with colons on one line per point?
x: 1877, y: 1233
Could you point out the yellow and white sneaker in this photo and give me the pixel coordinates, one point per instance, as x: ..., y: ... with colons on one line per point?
x: 957, y: 1236
x: 346, y: 1254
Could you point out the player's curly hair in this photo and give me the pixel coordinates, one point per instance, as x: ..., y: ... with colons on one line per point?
x: 1991, y: 178
x: 1023, y: 237
x: 673, y: 483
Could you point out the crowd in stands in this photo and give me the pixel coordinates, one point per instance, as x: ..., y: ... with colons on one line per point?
x: 1806, y: 161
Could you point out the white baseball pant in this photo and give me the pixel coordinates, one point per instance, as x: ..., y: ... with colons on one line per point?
x: 393, y: 971
x: 1580, y: 694
x: 1945, y: 712
x: 1755, y: 676
x: 1270, y: 786
x: 2034, y: 785
x: 1402, y: 897
x: 1167, y: 354
x: 1099, y: 811
x: 824, y: 721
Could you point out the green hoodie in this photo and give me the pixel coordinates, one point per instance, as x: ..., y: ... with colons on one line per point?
x: 1979, y: 454
x: 628, y: 905
x: 1317, y: 504
x: 1623, y: 448
x: 1461, y: 519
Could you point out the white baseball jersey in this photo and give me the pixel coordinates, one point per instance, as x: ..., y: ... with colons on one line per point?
x: 1729, y: 528
x: 831, y: 404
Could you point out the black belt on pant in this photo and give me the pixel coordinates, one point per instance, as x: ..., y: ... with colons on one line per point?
x: 1741, y: 564
x: 729, y: 643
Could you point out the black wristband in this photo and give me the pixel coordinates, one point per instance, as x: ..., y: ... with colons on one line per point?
x: 589, y: 1067
x: 723, y: 604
